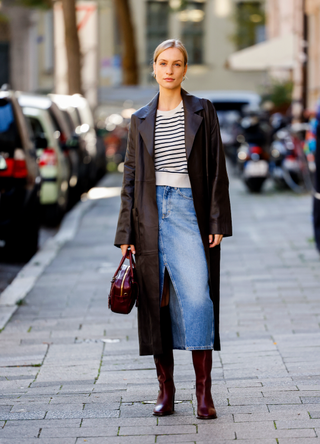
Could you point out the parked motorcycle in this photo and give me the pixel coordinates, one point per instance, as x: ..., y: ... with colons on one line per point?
x: 288, y: 163
x: 254, y: 166
x: 252, y: 157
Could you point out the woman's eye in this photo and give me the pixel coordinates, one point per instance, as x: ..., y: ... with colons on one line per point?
x: 162, y: 63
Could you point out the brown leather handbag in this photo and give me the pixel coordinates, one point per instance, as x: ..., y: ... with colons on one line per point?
x: 124, y: 287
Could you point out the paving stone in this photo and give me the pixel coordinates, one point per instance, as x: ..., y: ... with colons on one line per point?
x: 217, y: 436
x: 23, y: 415
x: 157, y: 430
x: 79, y: 432
x: 119, y: 440
x: 56, y: 423
x: 298, y: 424
x: 314, y: 440
x: 273, y: 416
x: 39, y: 441
x: 267, y: 372
x: 82, y: 414
x: 128, y: 422
x: 18, y: 432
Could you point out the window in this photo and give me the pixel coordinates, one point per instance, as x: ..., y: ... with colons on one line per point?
x: 250, y: 24
x: 9, y: 135
x: 192, y: 30
x: 157, y: 25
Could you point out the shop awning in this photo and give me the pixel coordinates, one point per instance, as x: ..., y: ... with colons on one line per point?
x: 277, y: 53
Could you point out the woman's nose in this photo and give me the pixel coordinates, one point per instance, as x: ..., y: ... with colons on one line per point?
x: 169, y: 70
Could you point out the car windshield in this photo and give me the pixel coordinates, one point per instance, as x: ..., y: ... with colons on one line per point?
x: 229, y: 105
x: 36, y: 127
x: 228, y: 118
x: 9, y: 135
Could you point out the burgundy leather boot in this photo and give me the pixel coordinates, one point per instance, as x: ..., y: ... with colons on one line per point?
x: 202, y: 362
x: 165, y: 401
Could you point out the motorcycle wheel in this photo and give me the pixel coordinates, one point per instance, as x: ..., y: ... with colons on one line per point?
x: 255, y: 184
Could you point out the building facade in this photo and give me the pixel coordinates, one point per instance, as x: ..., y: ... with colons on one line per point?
x: 209, y: 28
x: 313, y: 82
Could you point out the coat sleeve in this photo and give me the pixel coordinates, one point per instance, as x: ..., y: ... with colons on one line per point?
x: 125, y: 232
x: 220, y: 211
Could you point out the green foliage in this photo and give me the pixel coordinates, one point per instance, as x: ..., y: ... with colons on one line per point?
x: 248, y: 16
x: 279, y: 92
x: 178, y: 5
x: 42, y: 4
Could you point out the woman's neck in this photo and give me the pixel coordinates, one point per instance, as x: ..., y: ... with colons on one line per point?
x: 169, y: 99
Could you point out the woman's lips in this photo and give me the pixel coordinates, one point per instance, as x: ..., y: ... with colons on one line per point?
x: 169, y: 80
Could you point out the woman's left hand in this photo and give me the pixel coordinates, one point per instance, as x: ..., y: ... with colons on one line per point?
x: 217, y: 240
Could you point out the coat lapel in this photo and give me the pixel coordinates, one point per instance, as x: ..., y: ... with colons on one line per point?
x: 192, y: 121
x: 147, y: 126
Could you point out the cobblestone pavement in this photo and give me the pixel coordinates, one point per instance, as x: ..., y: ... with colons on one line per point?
x: 9, y: 270
x: 70, y: 371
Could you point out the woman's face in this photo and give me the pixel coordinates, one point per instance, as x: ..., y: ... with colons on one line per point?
x: 170, y: 68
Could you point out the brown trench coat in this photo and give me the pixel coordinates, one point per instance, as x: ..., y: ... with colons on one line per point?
x: 138, y: 218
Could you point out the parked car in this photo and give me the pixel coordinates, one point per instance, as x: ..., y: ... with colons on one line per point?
x: 52, y: 160
x: 94, y: 144
x: 72, y: 119
x: 82, y: 117
x: 230, y: 107
x: 20, y: 182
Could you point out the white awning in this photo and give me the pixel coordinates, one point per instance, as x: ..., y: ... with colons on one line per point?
x: 274, y: 53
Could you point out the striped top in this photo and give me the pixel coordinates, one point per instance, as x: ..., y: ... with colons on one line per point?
x: 170, y: 158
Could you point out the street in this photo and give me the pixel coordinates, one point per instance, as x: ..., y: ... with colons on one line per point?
x: 70, y: 370
x: 8, y: 271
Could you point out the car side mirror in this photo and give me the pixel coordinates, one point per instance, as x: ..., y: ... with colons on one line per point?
x: 3, y: 164
x: 41, y: 142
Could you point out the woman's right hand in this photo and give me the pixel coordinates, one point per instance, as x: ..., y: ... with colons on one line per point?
x: 124, y: 249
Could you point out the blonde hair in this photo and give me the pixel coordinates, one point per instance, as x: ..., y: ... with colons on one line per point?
x: 171, y: 43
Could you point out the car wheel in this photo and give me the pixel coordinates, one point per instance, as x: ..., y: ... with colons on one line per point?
x: 22, y: 243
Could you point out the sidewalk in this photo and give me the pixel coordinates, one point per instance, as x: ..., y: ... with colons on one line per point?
x: 70, y: 371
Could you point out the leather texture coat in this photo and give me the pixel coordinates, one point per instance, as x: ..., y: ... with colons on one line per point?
x: 138, y: 218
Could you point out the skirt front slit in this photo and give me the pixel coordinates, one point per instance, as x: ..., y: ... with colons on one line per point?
x: 181, y: 252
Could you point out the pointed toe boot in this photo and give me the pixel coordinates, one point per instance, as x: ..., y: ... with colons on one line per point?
x: 165, y: 401
x: 202, y: 362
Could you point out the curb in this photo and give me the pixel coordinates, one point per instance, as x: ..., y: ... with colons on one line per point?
x: 25, y: 280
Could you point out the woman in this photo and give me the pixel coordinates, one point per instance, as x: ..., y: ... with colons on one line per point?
x: 174, y: 212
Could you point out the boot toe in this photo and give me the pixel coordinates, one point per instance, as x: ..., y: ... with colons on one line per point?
x: 162, y: 410
x: 207, y: 413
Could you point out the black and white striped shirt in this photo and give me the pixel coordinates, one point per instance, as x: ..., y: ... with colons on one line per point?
x: 170, y: 149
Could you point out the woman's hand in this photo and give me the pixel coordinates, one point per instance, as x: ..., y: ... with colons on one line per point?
x: 217, y: 240
x: 124, y: 249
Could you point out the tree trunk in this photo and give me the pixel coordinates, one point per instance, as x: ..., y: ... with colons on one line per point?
x: 72, y: 46
x: 129, y: 55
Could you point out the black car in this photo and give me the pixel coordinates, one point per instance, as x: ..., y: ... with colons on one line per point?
x: 19, y: 183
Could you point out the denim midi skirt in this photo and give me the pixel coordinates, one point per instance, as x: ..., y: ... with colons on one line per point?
x: 181, y: 252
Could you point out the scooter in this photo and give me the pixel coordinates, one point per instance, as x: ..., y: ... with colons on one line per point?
x: 252, y: 157
x: 253, y: 165
x: 288, y: 163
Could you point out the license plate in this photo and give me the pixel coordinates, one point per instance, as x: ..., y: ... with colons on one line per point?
x: 260, y: 168
x: 291, y: 165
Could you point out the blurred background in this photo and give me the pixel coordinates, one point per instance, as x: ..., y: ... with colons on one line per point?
x: 73, y: 72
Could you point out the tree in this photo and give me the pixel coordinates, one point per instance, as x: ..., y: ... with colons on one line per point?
x: 72, y: 46
x: 71, y: 39
x: 43, y: 4
x: 129, y: 56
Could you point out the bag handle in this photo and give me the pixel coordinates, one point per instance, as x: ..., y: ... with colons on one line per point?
x: 132, y: 263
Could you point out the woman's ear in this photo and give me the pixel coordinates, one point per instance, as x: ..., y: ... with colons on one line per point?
x: 185, y: 69
x: 154, y: 69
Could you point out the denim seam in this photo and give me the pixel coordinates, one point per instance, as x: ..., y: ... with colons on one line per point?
x: 185, y: 197
x: 183, y: 335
